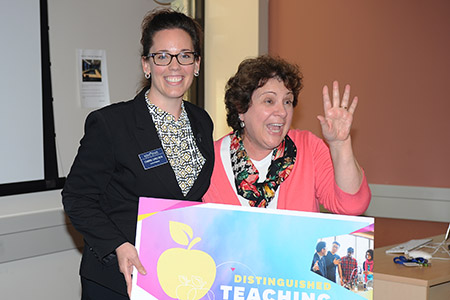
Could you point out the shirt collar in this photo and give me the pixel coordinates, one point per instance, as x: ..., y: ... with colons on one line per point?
x: 163, y: 115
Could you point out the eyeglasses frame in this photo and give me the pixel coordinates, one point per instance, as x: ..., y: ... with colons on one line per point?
x: 152, y: 55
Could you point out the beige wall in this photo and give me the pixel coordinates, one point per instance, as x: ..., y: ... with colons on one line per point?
x: 231, y: 35
x: 395, y: 54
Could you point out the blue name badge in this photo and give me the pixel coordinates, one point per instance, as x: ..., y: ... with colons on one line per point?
x: 153, y: 158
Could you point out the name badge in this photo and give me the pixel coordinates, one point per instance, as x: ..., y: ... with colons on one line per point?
x: 153, y: 158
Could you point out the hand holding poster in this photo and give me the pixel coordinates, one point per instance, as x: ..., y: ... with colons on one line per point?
x: 197, y: 251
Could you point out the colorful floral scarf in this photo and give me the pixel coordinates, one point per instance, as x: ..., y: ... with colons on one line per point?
x: 246, y: 176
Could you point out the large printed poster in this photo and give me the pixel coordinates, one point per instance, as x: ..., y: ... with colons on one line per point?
x: 195, y: 251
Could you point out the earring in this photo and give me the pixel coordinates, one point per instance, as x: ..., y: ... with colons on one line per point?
x: 147, y: 75
x: 196, y: 73
x: 242, y: 124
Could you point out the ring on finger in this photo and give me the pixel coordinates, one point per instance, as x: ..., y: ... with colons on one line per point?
x: 344, y: 107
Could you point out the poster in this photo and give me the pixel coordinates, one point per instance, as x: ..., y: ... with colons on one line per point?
x: 92, y: 78
x: 193, y: 250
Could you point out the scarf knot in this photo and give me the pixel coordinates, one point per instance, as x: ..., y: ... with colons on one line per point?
x: 246, y: 175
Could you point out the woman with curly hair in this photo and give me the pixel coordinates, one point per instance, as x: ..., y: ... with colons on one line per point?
x: 265, y: 163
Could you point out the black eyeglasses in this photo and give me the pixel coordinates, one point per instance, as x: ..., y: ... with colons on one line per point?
x: 164, y: 58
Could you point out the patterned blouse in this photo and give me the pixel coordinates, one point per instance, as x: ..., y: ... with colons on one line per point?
x: 178, y: 142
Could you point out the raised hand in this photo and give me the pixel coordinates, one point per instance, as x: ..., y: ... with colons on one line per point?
x: 336, y: 124
x: 338, y: 114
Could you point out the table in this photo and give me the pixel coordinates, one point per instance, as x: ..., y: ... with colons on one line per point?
x: 394, y: 281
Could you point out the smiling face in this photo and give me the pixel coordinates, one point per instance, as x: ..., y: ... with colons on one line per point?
x: 172, y: 81
x: 268, y: 118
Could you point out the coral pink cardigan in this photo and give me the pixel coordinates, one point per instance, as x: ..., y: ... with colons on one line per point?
x: 310, y: 183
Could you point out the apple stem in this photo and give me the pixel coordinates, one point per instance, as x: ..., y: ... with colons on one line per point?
x: 193, y: 242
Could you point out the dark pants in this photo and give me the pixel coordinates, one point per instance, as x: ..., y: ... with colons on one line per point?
x: 94, y: 291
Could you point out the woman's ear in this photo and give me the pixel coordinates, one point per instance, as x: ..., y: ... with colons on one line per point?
x: 145, y: 65
x: 197, y: 65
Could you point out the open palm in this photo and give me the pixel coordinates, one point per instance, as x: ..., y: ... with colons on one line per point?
x: 338, y: 114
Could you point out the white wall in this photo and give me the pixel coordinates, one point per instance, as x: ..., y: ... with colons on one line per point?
x: 38, y: 255
x: 113, y: 25
x: 46, y: 277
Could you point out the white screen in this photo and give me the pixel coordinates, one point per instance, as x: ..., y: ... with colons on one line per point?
x: 21, y: 129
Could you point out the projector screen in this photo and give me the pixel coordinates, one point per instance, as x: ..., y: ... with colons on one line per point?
x: 27, y: 152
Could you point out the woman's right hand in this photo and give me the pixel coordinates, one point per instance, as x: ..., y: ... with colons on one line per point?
x: 338, y: 114
x: 127, y: 257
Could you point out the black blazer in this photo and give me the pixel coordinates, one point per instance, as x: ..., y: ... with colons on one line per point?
x: 107, y: 177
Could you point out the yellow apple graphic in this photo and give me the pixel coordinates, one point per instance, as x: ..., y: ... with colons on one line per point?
x: 184, y: 273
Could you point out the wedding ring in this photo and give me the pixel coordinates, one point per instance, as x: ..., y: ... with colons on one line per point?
x: 344, y: 107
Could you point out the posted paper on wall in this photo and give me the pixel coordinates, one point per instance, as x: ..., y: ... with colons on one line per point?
x: 92, y: 78
x: 193, y: 250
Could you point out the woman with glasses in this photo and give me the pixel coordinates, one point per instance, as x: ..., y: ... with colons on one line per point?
x: 156, y: 145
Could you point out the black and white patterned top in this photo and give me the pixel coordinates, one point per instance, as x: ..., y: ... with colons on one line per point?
x: 179, y: 145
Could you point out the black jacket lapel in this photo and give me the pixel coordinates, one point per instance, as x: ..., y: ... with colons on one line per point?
x: 148, y: 140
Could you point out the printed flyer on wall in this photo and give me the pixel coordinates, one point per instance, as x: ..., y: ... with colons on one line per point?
x: 193, y: 250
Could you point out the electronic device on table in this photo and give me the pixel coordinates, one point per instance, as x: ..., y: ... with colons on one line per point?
x: 408, y: 246
x: 442, y: 246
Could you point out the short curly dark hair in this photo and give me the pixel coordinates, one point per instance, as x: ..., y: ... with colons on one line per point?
x: 253, y: 73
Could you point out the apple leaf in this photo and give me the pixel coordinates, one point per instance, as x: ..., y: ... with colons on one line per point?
x: 181, y: 233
